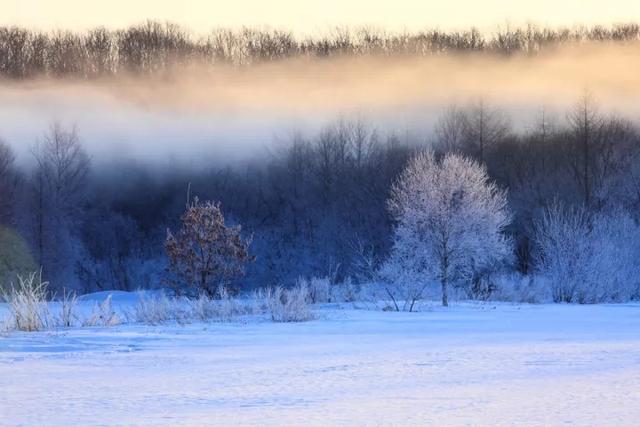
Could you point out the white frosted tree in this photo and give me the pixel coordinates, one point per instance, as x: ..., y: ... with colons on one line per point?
x: 588, y: 258
x: 450, y: 220
x: 563, y: 250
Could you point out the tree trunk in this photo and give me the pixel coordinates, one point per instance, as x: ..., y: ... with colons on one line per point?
x: 445, y: 296
x: 444, y: 278
x: 203, y: 283
x: 585, y: 144
x: 40, y: 222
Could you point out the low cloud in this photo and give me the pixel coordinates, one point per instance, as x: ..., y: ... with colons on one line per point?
x: 233, y: 112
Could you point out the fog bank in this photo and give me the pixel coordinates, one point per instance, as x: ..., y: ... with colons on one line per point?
x: 224, y: 114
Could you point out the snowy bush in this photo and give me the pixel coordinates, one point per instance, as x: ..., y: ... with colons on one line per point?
x: 258, y: 302
x: 155, y: 309
x: 513, y: 287
x: 346, y: 291
x: 103, y: 314
x: 30, y: 310
x: 289, y: 305
x: 618, y: 264
x: 319, y: 289
x: 222, y: 308
x: 68, y: 306
x: 588, y: 258
x: 449, y: 226
x: 203, y: 308
x: 28, y: 306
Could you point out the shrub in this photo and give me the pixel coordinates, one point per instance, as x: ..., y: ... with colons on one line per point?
x: 28, y: 304
x: 259, y: 302
x: 222, y: 308
x: 289, y: 305
x: 319, y: 289
x: 68, y: 305
x: 103, y: 314
x: 203, y: 308
x: 158, y: 309
x: 588, y: 258
x: 205, y: 253
x: 514, y: 287
x: 346, y: 291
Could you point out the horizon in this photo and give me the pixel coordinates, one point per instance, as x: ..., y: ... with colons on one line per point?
x: 315, y: 16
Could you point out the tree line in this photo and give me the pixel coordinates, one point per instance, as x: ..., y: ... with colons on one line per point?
x: 318, y: 205
x: 155, y: 47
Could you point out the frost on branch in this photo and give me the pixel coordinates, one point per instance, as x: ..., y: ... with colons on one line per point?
x: 205, y: 253
x: 449, y: 224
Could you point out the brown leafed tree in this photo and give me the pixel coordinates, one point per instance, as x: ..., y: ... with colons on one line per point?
x: 205, y: 253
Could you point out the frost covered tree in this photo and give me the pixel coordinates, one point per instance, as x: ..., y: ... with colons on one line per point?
x: 588, y: 258
x: 450, y: 220
x: 205, y: 253
x: 563, y: 250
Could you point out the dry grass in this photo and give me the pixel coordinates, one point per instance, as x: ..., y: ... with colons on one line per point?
x: 68, y: 306
x: 289, y: 305
x: 28, y: 306
x: 103, y: 314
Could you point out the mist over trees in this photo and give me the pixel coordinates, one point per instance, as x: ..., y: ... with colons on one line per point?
x: 317, y: 205
x: 156, y: 47
x: 54, y: 199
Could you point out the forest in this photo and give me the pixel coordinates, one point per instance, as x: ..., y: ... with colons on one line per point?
x: 320, y: 204
x: 156, y: 47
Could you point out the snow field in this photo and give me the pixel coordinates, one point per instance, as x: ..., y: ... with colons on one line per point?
x: 471, y: 364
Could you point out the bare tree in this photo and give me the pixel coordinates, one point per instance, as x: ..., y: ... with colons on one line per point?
x: 450, y: 129
x: 585, y: 123
x: 157, y: 47
x: 60, y: 177
x: 484, y: 126
x: 63, y: 165
x: 472, y: 129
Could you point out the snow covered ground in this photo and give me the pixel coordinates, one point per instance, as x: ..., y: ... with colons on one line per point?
x: 471, y: 364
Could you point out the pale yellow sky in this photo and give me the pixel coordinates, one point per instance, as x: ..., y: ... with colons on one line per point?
x: 309, y: 16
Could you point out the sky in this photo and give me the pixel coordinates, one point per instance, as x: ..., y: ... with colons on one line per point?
x: 312, y: 16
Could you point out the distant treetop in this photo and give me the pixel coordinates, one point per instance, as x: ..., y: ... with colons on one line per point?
x: 161, y: 47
